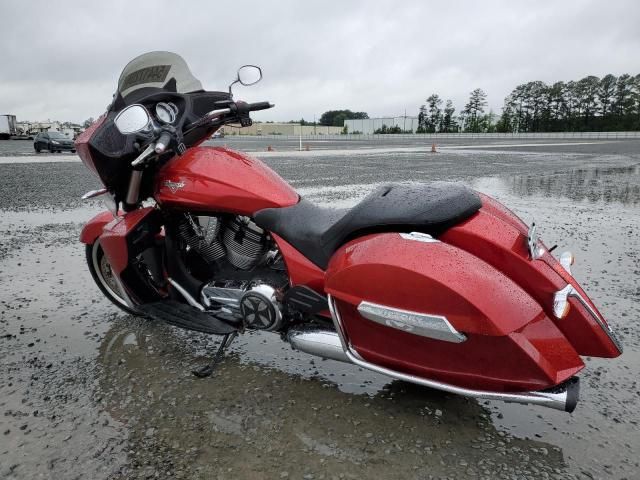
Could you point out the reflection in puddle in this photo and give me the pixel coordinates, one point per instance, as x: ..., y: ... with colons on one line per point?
x: 258, y: 421
x: 614, y: 184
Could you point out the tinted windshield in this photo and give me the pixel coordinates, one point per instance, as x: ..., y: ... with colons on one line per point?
x: 57, y: 135
x: 157, y: 70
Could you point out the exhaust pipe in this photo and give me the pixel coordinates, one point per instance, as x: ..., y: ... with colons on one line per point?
x: 318, y: 342
x: 328, y: 344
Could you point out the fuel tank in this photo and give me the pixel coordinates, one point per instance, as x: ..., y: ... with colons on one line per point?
x: 216, y: 179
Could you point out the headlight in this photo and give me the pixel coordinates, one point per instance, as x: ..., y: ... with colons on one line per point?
x: 55, y: 142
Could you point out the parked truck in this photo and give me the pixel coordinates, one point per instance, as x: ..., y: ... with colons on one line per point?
x: 7, y: 126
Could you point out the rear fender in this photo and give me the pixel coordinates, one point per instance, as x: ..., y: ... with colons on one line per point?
x: 509, y: 343
x: 498, y: 237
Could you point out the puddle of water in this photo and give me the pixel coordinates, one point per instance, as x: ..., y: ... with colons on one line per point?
x: 576, y: 211
x: 612, y: 184
x: 38, y: 218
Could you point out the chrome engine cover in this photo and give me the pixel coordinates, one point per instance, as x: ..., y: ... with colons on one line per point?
x: 253, y: 304
x: 260, y: 308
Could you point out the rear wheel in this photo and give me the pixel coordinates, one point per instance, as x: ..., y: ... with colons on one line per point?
x: 103, y: 276
x: 36, y: 147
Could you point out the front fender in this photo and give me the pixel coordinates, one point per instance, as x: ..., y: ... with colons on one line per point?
x: 93, y: 228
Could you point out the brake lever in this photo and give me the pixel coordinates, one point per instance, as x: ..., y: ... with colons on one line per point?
x: 147, y: 151
x: 212, y: 115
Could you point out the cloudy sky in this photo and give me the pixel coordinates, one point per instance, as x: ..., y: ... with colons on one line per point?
x: 61, y: 59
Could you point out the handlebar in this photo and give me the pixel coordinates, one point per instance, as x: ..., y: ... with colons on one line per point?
x: 163, y: 142
x: 252, y: 107
x: 236, y: 109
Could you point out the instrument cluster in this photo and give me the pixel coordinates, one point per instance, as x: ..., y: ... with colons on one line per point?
x: 166, y: 112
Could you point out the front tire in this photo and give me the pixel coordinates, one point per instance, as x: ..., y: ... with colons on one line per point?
x: 102, y: 275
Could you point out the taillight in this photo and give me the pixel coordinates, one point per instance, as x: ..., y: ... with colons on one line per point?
x: 561, y: 302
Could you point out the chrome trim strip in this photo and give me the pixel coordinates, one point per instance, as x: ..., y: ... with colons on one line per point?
x: 94, y: 193
x: 419, y: 237
x: 603, y: 325
x: 422, y: 324
x: 563, y: 399
x: 190, y: 300
x: 561, y: 298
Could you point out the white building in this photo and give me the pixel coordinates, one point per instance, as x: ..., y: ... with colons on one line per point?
x: 31, y: 129
x: 370, y: 125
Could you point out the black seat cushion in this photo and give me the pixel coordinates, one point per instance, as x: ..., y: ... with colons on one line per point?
x: 317, y: 232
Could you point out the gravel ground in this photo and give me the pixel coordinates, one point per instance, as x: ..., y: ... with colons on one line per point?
x: 88, y: 392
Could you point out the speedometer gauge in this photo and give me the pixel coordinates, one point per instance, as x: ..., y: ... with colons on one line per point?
x: 166, y: 112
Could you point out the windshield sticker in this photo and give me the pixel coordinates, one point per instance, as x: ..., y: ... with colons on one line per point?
x: 155, y: 74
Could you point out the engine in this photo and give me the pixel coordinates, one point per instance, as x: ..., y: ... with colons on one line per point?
x: 245, y: 271
x: 237, y: 239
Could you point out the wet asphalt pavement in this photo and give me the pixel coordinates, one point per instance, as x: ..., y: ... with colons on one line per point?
x: 89, y: 392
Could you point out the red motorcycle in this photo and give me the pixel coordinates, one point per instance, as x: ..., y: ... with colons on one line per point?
x: 433, y: 283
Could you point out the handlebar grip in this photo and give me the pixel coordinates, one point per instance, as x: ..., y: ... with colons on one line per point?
x: 163, y: 142
x: 260, y: 106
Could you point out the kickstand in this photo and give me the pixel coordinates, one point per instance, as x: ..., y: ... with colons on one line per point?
x: 207, y: 370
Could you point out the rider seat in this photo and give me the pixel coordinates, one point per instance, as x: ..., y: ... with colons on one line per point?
x: 317, y: 232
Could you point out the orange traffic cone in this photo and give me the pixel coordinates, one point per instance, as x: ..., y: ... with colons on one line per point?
x: 306, y: 147
x: 433, y: 148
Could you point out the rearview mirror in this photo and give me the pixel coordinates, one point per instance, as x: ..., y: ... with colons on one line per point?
x: 132, y: 119
x: 249, y: 74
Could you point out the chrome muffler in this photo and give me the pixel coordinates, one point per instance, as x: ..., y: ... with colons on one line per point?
x: 318, y: 342
x: 329, y: 344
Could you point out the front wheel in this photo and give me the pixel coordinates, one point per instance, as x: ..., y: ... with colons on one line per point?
x: 103, y: 276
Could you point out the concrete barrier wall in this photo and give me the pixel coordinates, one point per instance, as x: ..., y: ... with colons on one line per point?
x: 282, y: 129
x: 488, y: 136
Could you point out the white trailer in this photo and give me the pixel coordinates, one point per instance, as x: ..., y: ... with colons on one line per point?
x: 7, y: 126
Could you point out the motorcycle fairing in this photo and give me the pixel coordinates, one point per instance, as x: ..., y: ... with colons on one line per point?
x: 123, y: 239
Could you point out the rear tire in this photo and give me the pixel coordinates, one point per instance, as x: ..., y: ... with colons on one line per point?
x: 101, y: 273
x: 37, y: 148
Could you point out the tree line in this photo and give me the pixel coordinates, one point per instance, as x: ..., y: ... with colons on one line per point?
x: 609, y: 103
